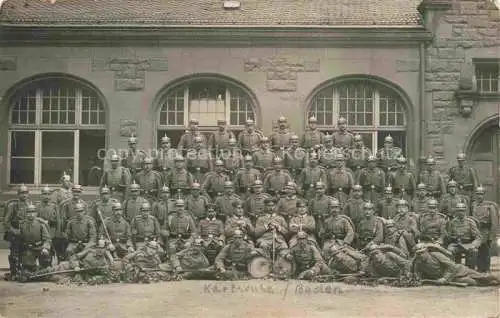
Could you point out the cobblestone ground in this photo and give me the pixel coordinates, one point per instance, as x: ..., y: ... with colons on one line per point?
x: 245, y: 299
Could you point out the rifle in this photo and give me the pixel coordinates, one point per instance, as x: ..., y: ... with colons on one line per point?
x: 438, y: 283
x: 104, y: 225
x: 68, y: 271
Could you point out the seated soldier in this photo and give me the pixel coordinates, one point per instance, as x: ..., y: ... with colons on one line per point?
x: 118, y: 231
x: 239, y: 222
x: 145, y: 227
x: 211, y: 234
x: 302, y: 222
x: 35, y: 238
x: 81, y: 231
x: 337, y: 228
x: 180, y: 228
x: 271, y: 230
x: 95, y: 256
x: 148, y: 256
x: 307, y: 258
x: 236, y: 254
x: 396, y: 237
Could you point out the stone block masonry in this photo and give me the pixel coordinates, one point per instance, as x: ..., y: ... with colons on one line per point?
x: 281, y: 71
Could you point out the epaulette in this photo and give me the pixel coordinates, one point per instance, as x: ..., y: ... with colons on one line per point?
x: 492, y: 203
x: 444, y: 216
x: 348, y: 219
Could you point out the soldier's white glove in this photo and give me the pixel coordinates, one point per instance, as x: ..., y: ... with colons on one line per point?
x: 130, y: 249
x: 220, y: 243
x: 111, y: 247
x: 222, y: 270
x: 441, y: 280
x: 254, y: 253
x: 45, y: 251
x: 289, y: 257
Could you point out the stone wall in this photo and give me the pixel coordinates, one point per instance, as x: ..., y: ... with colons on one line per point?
x: 469, y: 29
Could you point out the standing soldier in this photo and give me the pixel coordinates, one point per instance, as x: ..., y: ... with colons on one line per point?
x: 386, y: 207
x: 403, y: 182
x: 68, y: 206
x: 199, y: 160
x: 213, y: 185
x: 388, y: 155
x: 432, y: 224
x: 328, y: 152
x: 161, y: 207
x: 63, y: 193
x: 312, y: 138
x: 119, y: 231
x: 101, y: 209
x: 254, y: 205
x: 49, y: 211
x: 302, y: 221
x: 464, y: 237
x: 117, y: 178
x: 370, y: 229
x: 180, y: 228
x: 134, y: 158
x: 35, y: 237
x: 465, y: 176
x: 197, y: 204
x: 132, y: 204
x: 486, y: 214
x: 450, y: 200
x: 280, y: 140
x: 249, y: 139
x: 81, y: 231
x: 320, y: 205
x: 263, y: 157
x: 354, y: 207
x: 275, y: 181
x: 16, y: 213
x: 294, y: 157
x: 232, y: 158
x: 224, y: 202
x: 145, y: 228
x: 188, y: 138
x: 165, y: 157
x: 245, y: 177
x: 239, y: 222
x: 270, y: 228
x: 220, y: 139
x: 433, y: 179
x: 358, y: 156
x: 340, y: 180
x: 310, y: 175
x: 287, y: 205
x: 179, y: 179
x: 337, y: 228
x: 419, y: 203
x: 342, y: 138
x: 149, y: 180
x: 372, y: 179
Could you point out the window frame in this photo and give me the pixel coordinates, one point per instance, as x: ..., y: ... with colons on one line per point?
x: 81, y: 90
x: 478, y: 62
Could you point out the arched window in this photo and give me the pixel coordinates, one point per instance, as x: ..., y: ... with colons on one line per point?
x: 371, y: 109
x: 56, y: 125
x: 205, y: 100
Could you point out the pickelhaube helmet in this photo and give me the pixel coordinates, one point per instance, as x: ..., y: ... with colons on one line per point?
x: 257, y: 183
x: 371, y: 158
x: 179, y: 202
x: 461, y: 156
x: 480, y: 190
x: 341, y: 120
x: 313, y: 156
x: 313, y: 119
x: 294, y: 137
x: 248, y: 158
x: 388, y: 139
x: 401, y: 160
x: 319, y: 185
x: 301, y: 235
x: 430, y: 161
x: 249, y: 122
x: 79, y: 207
x: 232, y: 141
x: 335, y: 203
x: 238, y: 233
x: 198, y: 139
x: 282, y: 119
x: 402, y: 203
x: 104, y: 190
x: 357, y: 187
x: 145, y: 206
x: 290, y: 185
x: 152, y: 243
x: 116, y: 206
x: 339, y: 157
x: 132, y: 140
x: 358, y: 137
x: 432, y: 203
x: 219, y: 163
x: 195, y: 186
x: 421, y: 186
x: 388, y: 189
x: 114, y: 158
x: 76, y: 188
x: 164, y: 189
x: 30, y: 208
x: 194, y: 121
x: 461, y: 206
x: 46, y: 189
x: 368, y: 205
x: 66, y: 177
x: 277, y: 159
x: 134, y: 186
x: 389, y: 222
x: 300, y: 203
x: 452, y: 183
x: 328, y: 137
x: 179, y: 158
x: 165, y: 139
x: 264, y: 139
x: 228, y: 184
x: 22, y: 189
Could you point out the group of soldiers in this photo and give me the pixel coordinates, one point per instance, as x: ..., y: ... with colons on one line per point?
x: 306, y: 205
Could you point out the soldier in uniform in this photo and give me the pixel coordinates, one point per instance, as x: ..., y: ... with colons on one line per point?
x: 254, y: 205
x: 249, y: 139
x: 340, y: 180
x: 239, y: 222
x: 386, y: 207
x: 294, y: 157
x: 385, y: 260
x: 165, y: 158
x: 465, y: 176
x: 337, y: 229
x: 280, y: 140
x: 101, y: 209
x: 342, y: 138
x: 236, y: 254
x: 197, y: 203
x: 263, y: 156
x: 68, y: 206
x: 199, y: 160
x: 271, y: 227
x: 213, y: 184
x: 432, y: 224
x: 187, y: 140
x: 180, y: 228
x: 307, y: 258
x: 161, y: 207
x: 370, y: 229
x: 145, y: 227
x: 344, y: 259
x: 149, y: 180
x: 220, y: 139
x: 116, y: 229
x: 134, y: 158
x: 372, y: 179
x: 321, y: 205
x: 328, y: 152
x: 133, y: 203
x: 433, y: 179
x: 407, y: 222
x: 312, y: 137
x: 310, y: 175
x: 464, y: 237
x: 450, y: 200
x: 179, y: 179
x: 117, y: 178
x: 49, y: 211
x: 354, y: 208
x: 35, y: 238
x: 232, y: 158
x: 302, y: 221
x: 388, y: 155
x: 275, y: 181
x: 486, y: 214
x: 224, y: 202
x: 63, y: 193
x: 358, y: 156
x: 211, y: 232
x: 245, y: 177
x: 287, y: 204
x: 419, y: 203
x: 80, y: 231
x: 403, y: 182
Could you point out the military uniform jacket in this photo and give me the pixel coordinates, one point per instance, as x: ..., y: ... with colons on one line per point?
x: 198, y: 159
x: 245, y: 178
x: 388, y: 156
x: 338, y: 227
x: 276, y: 181
x: 311, y: 138
x: 212, y: 227
x: 131, y: 208
x: 197, y: 206
x: 342, y: 139
x: 81, y: 229
x: 295, y: 159
x: 340, y: 178
x: 287, y: 206
x: 320, y: 206
x: 280, y: 139
x: 432, y: 227
x: 117, y: 179
x: 357, y: 157
x: 35, y: 232
x: 233, y: 160
x: 61, y: 195
x: 134, y: 159
x: 220, y: 139
x: 407, y: 222
x: 50, y: 213
x: 263, y: 221
x: 369, y: 177
x: 435, y: 265
x: 214, y: 182
x: 150, y: 182
x: 165, y: 159
x: 354, y: 209
x: 390, y: 264
x: 433, y: 180
x: 310, y: 175
x: 179, y: 179
x: 464, y: 231
x: 263, y: 159
x: 145, y: 227
x: 234, y: 254
x: 386, y: 209
x: 224, y: 204
x: 465, y: 176
x: 104, y: 208
x: 449, y: 202
x: 67, y: 208
x: 180, y: 224
x: 403, y: 180
x: 419, y: 205
x: 187, y: 140
x: 254, y: 205
x: 304, y: 222
x: 306, y: 257
x: 327, y: 156
x: 118, y: 229
x: 16, y: 212
x: 160, y: 211
x: 249, y: 141
x: 486, y: 213
x: 371, y: 229
x: 238, y: 223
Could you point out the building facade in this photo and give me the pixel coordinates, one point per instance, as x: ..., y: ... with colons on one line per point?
x: 78, y: 78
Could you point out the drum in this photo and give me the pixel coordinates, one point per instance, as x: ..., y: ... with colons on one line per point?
x: 259, y: 267
x: 284, y: 267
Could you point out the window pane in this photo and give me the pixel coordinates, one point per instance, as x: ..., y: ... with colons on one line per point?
x: 391, y: 109
x: 91, y: 156
x: 24, y: 107
x: 22, y: 144
x: 172, y: 111
x: 487, y: 77
x: 60, y: 100
x: 22, y: 170
x: 174, y: 135
x: 367, y: 140
x: 52, y: 169
x: 91, y: 105
x: 356, y: 103
x: 57, y: 144
x: 399, y: 138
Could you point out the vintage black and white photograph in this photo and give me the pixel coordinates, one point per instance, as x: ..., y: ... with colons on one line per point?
x: 249, y: 158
